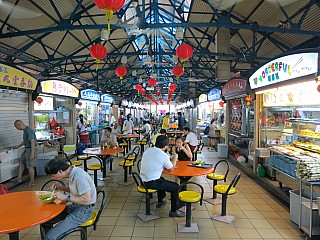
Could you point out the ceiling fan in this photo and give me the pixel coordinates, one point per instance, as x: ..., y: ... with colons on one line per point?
x: 17, y: 11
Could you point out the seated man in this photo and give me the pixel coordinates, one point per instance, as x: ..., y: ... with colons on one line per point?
x: 108, y: 139
x: 191, y: 139
x: 154, y: 160
x: 162, y: 132
x: 81, y: 192
x: 146, y: 128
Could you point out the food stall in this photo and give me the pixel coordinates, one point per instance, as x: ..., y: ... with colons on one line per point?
x: 54, y: 111
x: 16, y: 88
x: 105, y: 108
x: 239, y: 117
x: 288, y: 106
x: 89, y: 106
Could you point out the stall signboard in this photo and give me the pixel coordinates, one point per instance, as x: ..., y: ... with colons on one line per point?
x: 90, y: 94
x: 214, y: 94
x: 203, y: 98
x: 301, y: 94
x: 234, y: 87
x: 47, y: 104
x: 12, y: 77
x: 106, y: 98
x: 285, y: 68
x: 61, y: 88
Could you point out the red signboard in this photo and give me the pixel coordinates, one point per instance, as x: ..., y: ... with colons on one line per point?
x: 234, y: 87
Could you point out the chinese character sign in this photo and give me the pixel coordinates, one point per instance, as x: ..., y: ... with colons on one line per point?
x: 12, y: 77
x: 59, y: 88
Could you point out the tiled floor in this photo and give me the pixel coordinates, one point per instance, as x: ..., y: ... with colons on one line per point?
x: 258, y: 214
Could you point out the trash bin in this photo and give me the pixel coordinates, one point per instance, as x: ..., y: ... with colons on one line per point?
x: 42, y: 160
x: 223, y: 150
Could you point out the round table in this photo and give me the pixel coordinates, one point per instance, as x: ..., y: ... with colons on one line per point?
x: 127, y: 137
x: 21, y: 210
x: 103, y: 153
x: 185, y: 172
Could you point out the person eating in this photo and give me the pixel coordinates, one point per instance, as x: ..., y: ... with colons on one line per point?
x: 182, y: 149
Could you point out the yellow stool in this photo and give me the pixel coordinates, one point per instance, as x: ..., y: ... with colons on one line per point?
x: 148, y: 216
x: 95, y: 168
x: 217, y: 177
x: 226, y: 190
x: 189, y: 197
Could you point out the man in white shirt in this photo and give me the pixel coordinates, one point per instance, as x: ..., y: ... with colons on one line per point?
x: 154, y: 160
x: 191, y: 139
x: 128, y: 125
x: 146, y: 128
x: 108, y: 139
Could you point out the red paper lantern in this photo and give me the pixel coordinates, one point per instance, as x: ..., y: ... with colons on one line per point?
x: 109, y: 6
x: 173, y: 87
x: 121, y: 72
x: 79, y: 103
x: 177, y: 71
x: 248, y: 99
x: 149, y: 96
x: 158, y: 94
x: 184, y: 51
x: 138, y: 87
x: 39, y: 100
x: 221, y: 103
x: 152, y: 82
x: 98, y: 52
x: 143, y: 91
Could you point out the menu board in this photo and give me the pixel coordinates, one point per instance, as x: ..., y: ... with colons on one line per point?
x: 302, y: 94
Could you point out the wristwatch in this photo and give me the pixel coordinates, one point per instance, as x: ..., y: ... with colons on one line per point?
x: 68, y: 198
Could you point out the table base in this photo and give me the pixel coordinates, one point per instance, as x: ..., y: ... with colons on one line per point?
x: 213, y: 201
x: 146, y: 218
x: 14, y: 236
x: 226, y: 219
x: 192, y: 229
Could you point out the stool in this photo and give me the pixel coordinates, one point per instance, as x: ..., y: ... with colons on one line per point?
x: 84, y: 158
x: 95, y: 167
x: 189, y: 197
x: 226, y: 190
x: 125, y: 147
x: 217, y: 177
x: 127, y: 164
x: 142, y: 143
x: 148, y: 216
x: 70, y: 151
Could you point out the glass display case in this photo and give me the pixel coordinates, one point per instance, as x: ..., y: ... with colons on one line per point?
x: 241, y: 118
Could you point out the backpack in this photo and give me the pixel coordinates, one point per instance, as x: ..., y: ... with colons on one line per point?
x: 3, y: 189
x: 206, y: 130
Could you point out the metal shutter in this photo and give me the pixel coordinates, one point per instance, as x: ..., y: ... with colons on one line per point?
x: 13, y: 106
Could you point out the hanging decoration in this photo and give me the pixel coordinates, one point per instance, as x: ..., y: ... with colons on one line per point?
x: 221, y: 103
x: 138, y: 87
x: 177, y: 71
x: 152, y: 82
x: 110, y: 7
x: 97, y: 51
x: 143, y: 91
x: 248, y: 99
x: 39, y: 100
x: 121, y: 72
x: 158, y: 94
x: 184, y: 52
x: 79, y: 104
x: 149, y: 96
x: 160, y: 100
x: 173, y: 87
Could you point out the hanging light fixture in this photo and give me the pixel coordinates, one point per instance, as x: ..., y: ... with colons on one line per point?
x: 124, y: 60
x: 104, y: 35
x: 179, y: 33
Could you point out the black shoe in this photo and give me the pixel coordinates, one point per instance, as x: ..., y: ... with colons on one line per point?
x: 160, y: 204
x: 176, y: 214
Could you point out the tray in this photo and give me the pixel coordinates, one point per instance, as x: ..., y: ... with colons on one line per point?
x: 206, y: 165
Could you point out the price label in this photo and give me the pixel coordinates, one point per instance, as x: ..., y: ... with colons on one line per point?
x: 317, y: 129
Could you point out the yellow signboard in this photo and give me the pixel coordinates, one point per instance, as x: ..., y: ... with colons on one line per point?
x: 12, y: 77
x: 59, y: 88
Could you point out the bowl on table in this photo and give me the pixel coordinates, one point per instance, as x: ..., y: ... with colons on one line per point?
x: 46, y: 198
